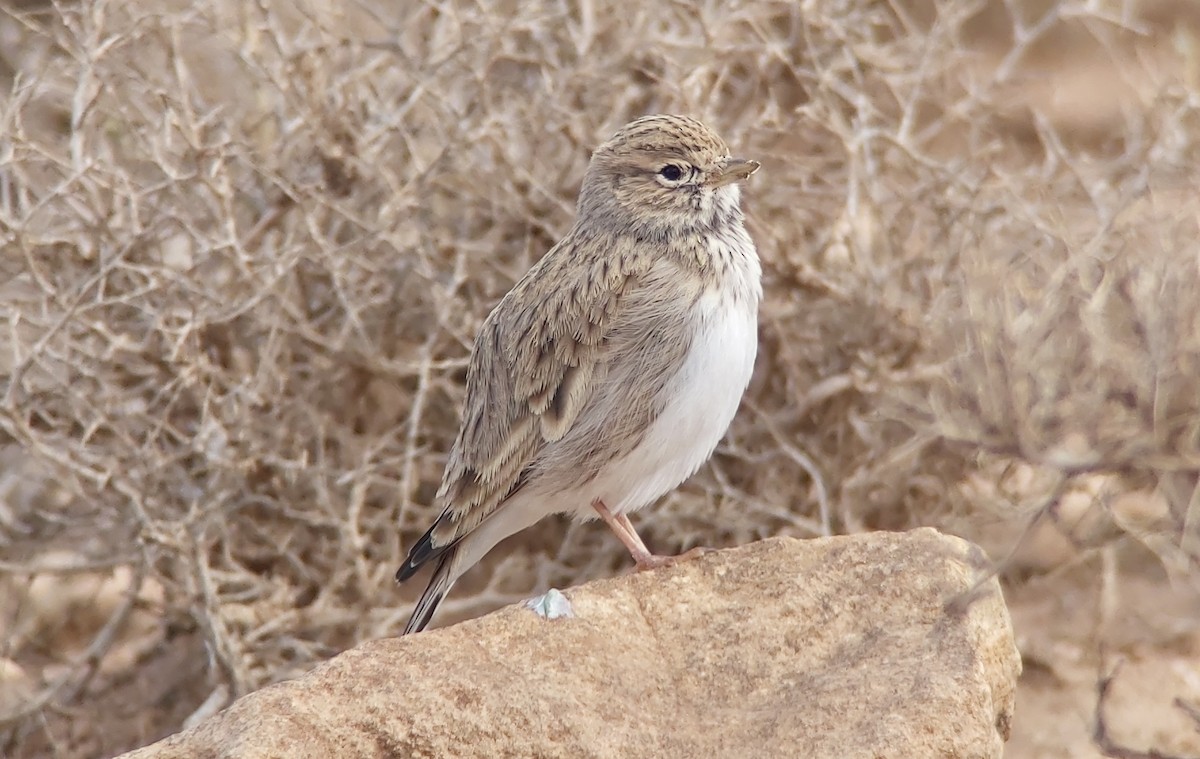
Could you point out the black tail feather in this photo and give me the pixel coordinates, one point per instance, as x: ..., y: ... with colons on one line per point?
x: 429, y: 601
x: 422, y: 551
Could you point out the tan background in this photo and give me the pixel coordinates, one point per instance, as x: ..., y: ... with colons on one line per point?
x: 246, y: 247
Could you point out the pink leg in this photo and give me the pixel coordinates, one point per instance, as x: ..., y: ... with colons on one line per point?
x: 623, y: 529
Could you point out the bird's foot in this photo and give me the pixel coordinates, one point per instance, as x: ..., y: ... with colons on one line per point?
x: 650, y: 561
x: 623, y: 529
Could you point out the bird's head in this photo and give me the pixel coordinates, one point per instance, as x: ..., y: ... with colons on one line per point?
x: 663, y: 173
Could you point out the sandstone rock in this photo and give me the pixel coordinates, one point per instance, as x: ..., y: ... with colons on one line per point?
x: 857, y: 646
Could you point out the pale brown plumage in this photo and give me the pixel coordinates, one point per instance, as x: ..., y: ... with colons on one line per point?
x: 572, y: 368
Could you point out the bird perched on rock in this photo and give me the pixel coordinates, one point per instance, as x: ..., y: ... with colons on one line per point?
x: 609, y: 373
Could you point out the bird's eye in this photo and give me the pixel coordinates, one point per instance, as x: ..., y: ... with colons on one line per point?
x: 671, y: 172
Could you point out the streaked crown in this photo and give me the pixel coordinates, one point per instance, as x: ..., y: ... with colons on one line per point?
x: 682, y: 136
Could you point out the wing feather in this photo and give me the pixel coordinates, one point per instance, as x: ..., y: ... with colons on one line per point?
x: 532, y: 370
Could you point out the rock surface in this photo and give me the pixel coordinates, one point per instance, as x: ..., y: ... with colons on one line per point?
x: 858, y: 646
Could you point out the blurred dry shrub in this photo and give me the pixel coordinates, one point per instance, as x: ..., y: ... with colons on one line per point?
x: 246, y: 246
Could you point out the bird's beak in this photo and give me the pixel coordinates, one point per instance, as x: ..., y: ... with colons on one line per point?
x: 733, y: 170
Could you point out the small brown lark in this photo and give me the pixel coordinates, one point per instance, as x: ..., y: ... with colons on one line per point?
x: 608, y: 374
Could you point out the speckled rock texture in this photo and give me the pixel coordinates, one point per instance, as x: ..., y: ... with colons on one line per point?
x: 860, y: 646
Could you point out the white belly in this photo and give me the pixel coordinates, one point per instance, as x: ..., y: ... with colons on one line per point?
x: 704, y: 396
